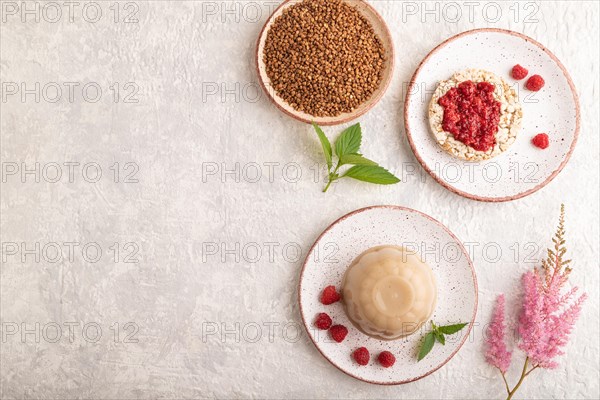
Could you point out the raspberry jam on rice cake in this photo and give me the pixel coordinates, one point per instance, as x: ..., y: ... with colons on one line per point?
x: 475, y: 115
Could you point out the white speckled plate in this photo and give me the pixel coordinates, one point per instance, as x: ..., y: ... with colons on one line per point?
x: 523, y: 169
x: 358, y: 231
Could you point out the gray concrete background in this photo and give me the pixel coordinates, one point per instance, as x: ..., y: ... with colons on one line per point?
x: 194, y: 291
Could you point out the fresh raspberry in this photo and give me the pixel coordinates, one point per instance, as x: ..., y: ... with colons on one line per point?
x: 535, y: 83
x: 386, y: 359
x: 361, y: 356
x: 338, y: 333
x: 330, y: 295
x: 519, y: 72
x: 542, y: 141
x: 323, y: 321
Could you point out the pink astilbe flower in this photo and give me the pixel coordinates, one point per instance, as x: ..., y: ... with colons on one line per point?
x: 548, y: 315
x: 532, y: 327
x: 496, y: 353
x: 546, y: 319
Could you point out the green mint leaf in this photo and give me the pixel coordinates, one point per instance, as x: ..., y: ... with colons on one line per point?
x: 355, y: 159
x: 440, y: 337
x: 372, y: 174
x: 349, y: 141
x: 451, y: 329
x: 325, y: 143
x: 427, y: 345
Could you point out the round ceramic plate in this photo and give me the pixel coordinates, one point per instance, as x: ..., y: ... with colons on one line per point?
x: 523, y: 169
x: 358, y: 231
x: 380, y: 28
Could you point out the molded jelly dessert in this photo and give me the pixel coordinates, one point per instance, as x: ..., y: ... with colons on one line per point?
x: 389, y: 292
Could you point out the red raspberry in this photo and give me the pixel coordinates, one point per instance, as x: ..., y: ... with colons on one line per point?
x: 338, y: 333
x: 535, y: 83
x: 323, y: 321
x: 361, y: 356
x: 329, y: 295
x: 542, y: 141
x: 519, y: 72
x: 386, y: 359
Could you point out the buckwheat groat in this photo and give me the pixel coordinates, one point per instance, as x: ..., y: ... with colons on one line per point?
x: 323, y: 57
x: 475, y: 115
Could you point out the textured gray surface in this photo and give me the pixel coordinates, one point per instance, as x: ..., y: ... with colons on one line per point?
x: 185, y: 285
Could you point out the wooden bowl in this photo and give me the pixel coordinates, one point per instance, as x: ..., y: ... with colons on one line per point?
x: 382, y: 31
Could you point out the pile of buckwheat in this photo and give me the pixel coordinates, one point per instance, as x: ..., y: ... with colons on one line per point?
x: 323, y: 57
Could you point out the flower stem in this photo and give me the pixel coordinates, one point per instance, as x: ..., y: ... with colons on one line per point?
x: 531, y: 370
x: 505, y: 382
x: 524, y: 373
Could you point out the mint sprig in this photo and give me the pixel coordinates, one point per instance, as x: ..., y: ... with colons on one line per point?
x: 347, y: 151
x: 437, y: 333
